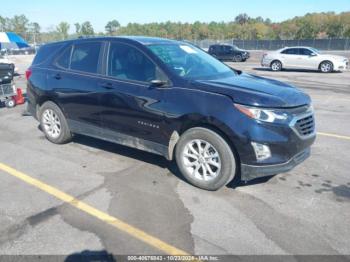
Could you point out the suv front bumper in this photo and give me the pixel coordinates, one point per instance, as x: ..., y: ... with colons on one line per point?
x: 268, y: 149
x: 250, y: 172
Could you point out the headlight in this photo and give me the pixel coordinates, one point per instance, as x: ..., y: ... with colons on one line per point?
x: 262, y: 114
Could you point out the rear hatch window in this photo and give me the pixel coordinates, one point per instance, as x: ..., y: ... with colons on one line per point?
x: 45, y: 52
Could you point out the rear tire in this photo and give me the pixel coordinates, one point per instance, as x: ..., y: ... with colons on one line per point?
x: 326, y: 67
x: 276, y: 66
x: 205, y: 159
x: 54, y: 124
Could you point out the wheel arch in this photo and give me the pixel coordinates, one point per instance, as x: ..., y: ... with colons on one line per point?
x: 212, y: 124
x: 323, y: 61
x: 42, y: 100
x: 276, y: 60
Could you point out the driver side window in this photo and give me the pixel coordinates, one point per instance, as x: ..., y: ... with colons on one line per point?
x: 306, y: 52
x: 128, y: 63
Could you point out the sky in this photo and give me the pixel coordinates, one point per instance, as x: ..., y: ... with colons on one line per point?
x: 50, y: 13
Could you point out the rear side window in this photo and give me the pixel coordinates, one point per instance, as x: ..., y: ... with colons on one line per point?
x: 45, y: 52
x: 64, y: 59
x: 291, y: 51
x: 85, y: 57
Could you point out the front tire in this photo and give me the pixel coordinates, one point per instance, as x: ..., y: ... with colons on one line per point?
x: 238, y: 58
x: 276, y: 66
x: 54, y: 124
x: 205, y: 159
x: 326, y: 67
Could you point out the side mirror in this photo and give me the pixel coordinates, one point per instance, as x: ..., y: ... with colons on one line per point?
x: 313, y: 54
x: 159, y: 83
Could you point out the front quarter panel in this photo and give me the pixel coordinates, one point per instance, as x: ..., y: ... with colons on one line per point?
x: 184, y: 108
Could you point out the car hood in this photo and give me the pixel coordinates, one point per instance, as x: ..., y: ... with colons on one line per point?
x: 241, y: 50
x: 256, y: 91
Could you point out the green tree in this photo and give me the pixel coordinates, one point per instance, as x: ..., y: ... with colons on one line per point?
x: 34, y: 32
x: 63, y: 29
x: 19, y: 25
x: 112, y: 27
x: 2, y: 24
x: 77, y: 28
x: 87, y: 29
x: 242, y: 19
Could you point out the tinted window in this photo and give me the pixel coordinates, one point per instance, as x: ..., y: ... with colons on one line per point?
x: 228, y: 48
x: 216, y: 48
x: 85, y: 57
x: 127, y: 62
x: 45, y: 52
x: 304, y: 51
x: 291, y: 51
x: 64, y: 59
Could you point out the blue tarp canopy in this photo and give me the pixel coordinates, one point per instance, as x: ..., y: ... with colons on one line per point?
x: 10, y: 40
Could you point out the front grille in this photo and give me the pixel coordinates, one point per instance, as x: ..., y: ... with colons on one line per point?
x: 305, y: 126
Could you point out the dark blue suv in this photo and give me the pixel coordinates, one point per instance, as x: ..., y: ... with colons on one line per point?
x: 172, y: 99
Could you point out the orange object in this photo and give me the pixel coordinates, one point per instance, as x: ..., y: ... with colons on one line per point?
x: 19, y: 98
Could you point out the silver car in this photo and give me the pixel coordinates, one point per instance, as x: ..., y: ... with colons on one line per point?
x: 302, y: 57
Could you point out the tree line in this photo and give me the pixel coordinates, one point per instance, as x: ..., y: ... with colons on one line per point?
x: 310, y: 26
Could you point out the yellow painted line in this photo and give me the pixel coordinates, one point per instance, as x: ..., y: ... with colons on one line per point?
x: 334, y: 135
x: 113, y: 221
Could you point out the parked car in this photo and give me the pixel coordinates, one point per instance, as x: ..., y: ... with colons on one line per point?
x: 172, y: 99
x: 228, y: 53
x: 22, y: 51
x: 302, y: 57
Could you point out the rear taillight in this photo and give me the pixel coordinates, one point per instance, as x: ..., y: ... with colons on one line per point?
x: 28, y: 73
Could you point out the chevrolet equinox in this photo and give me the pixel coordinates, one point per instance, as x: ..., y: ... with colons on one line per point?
x: 172, y: 99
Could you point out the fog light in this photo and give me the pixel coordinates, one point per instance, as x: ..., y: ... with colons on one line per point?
x: 262, y: 152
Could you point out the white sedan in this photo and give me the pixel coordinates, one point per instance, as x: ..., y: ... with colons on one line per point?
x: 303, y: 58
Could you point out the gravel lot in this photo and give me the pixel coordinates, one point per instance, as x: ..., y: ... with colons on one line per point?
x: 303, y: 212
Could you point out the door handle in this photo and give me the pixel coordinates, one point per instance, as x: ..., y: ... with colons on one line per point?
x: 57, y: 76
x: 107, y: 85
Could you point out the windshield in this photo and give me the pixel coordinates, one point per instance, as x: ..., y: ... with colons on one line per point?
x: 190, y: 62
x: 316, y: 51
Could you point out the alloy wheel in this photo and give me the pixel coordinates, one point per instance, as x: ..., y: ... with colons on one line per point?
x: 201, y: 159
x: 51, y: 123
x: 326, y: 67
x: 276, y: 66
